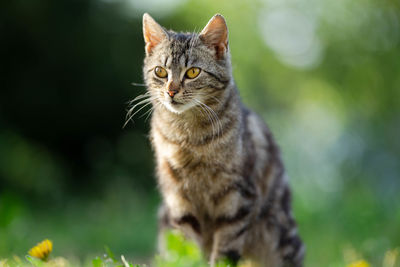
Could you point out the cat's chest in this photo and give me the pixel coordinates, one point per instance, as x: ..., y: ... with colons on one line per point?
x: 196, y: 168
x: 196, y: 172
x: 182, y: 155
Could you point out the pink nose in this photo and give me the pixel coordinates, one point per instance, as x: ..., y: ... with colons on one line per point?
x: 172, y: 93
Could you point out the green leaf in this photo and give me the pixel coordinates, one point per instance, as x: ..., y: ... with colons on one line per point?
x: 225, y: 263
x: 97, y: 262
x: 34, y: 261
x: 110, y: 254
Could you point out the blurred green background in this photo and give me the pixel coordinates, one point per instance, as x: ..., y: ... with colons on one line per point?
x: 325, y: 75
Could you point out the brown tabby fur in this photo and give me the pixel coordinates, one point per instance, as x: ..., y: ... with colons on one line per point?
x: 219, y: 170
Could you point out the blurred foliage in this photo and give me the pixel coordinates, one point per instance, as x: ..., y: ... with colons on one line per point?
x: 325, y: 75
x: 178, y: 252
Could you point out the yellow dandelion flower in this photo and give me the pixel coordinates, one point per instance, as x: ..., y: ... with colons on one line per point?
x: 42, y: 250
x: 360, y: 263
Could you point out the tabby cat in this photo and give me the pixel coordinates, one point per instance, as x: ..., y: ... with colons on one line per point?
x: 219, y: 170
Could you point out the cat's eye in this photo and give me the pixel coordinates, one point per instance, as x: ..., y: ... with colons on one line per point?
x: 160, y: 72
x: 193, y: 72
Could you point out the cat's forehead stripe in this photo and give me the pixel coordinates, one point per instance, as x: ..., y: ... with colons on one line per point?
x: 180, y: 48
x: 186, y: 60
x: 166, y: 61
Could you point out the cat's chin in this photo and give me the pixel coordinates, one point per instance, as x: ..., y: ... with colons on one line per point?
x: 177, y: 108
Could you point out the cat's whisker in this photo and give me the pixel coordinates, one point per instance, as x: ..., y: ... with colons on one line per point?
x: 216, y: 124
x: 137, y: 84
x: 131, y: 116
x: 206, y: 114
x: 132, y: 103
x: 148, y: 112
x: 200, y: 104
x: 210, y: 118
x: 145, y: 102
x: 139, y: 103
x: 216, y: 99
x: 210, y: 96
x: 151, y: 111
x: 145, y: 95
x: 193, y: 94
x: 219, y: 124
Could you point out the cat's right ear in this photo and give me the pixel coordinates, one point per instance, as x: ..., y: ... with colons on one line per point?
x: 215, y: 35
x: 153, y: 33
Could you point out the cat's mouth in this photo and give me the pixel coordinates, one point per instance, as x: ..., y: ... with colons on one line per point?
x: 177, y: 107
x: 173, y: 102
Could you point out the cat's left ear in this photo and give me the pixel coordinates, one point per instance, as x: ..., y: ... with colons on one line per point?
x: 215, y: 35
x: 153, y: 33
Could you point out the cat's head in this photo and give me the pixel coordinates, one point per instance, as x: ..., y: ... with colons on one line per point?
x: 186, y: 70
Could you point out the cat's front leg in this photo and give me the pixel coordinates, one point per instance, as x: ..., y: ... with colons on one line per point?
x: 228, y: 243
x: 231, y: 226
x: 164, y: 225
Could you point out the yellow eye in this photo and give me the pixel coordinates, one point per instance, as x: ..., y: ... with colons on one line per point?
x: 193, y: 73
x: 160, y: 72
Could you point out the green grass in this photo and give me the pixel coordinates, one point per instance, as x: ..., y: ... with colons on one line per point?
x: 124, y: 217
x: 180, y: 253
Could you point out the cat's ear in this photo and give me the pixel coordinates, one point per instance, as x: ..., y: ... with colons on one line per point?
x: 153, y: 33
x: 215, y: 35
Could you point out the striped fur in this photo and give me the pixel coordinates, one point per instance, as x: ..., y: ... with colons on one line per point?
x: 219, y: 170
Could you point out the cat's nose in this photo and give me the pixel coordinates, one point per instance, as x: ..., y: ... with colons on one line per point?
x: 172, y: 93
x: 173, y: 88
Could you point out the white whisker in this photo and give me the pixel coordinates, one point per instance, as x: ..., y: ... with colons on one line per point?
x: 215, y: 121
x: 145, y: 95
x: 207, y: 113
x: 144, y: 100
x: 137, y: 84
